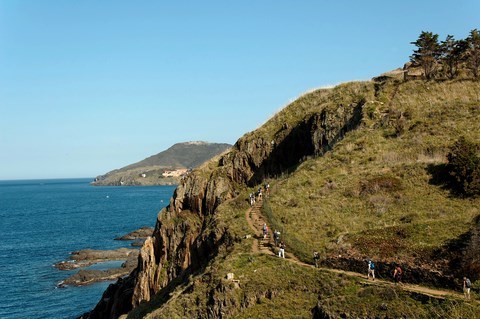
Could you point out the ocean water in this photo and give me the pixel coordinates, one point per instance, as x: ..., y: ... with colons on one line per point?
x: 42, y: 221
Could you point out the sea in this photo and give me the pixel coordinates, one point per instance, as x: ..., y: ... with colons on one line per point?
x: 43, y: 221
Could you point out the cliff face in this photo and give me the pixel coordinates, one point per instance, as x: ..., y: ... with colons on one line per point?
x: 188, y: 234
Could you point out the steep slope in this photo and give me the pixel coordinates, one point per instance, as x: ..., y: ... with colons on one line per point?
x: 349, y: 170
x: 375, y: 196
x: 149, y: 171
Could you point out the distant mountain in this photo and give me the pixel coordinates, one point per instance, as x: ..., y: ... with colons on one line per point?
x: 164, y: 168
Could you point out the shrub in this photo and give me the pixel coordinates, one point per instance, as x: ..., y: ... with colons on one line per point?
x: 464, y: 167
x: 381, y: 183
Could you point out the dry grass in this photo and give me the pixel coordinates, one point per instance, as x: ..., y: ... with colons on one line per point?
x: 319, y: 216
x: 372, y: 193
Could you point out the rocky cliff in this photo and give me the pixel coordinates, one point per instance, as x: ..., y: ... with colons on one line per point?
x: 188, y: 233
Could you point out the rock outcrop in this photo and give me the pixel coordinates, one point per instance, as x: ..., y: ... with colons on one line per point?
x: 141, y: 233
x: 188, y: 234
x: 88, y: 276
x: 88, y: 257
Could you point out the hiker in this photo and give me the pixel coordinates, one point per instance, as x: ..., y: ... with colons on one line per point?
x: 259, y: 194
x: 397, y: 274
x: 371, y: 270
x: 265, y: 231
x: 276, y: 237
x: 467, y: 284
x: 267, y: 189
x: 281, y: 251
x: 316, y: 258
x: 252, y: 199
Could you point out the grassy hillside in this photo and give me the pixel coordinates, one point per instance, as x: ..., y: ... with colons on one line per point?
x: 375, y: 194
x: 182, y: 155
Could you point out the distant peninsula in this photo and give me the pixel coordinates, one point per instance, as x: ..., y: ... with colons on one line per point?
x: 164, y: 168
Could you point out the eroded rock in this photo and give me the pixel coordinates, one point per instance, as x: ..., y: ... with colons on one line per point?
x: 141, y: 233
x: 88, y: 257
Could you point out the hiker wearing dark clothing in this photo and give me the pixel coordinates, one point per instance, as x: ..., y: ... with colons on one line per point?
x: 371, y: 270
x: 276, y: 237
x: 467, y: 284
x: 397, y: 274
x: 316, y: 258
x: 259, y: 194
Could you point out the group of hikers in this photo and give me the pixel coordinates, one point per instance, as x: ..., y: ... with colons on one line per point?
x: 397, y: 273
x: 276, y: 240
x: 258, y: 195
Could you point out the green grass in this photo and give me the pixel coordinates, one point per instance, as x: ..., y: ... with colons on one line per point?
x: 330, y: 197
x: 372, y: 195
x: 275, y: 288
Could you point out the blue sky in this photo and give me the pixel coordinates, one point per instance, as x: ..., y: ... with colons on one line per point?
x: 90, y: 86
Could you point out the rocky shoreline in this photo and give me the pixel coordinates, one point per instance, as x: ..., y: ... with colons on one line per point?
x: 89, y: 257
x: 138, y: 235
x: 85, y: 258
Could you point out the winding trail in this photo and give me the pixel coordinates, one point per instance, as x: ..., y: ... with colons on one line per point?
x: 255, y: 220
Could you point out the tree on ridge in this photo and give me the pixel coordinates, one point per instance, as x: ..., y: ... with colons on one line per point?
x: 473, y: 52
x: 452, y: 54
x: 427, y: 54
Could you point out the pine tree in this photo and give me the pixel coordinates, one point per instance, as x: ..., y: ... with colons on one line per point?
x: 452, y: 54
x: 427, y: 54
x: 473, y: 52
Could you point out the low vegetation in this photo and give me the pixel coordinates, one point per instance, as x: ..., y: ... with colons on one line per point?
x: 464, y: 167
x: 374, y: 195
x: 377, y: 184
x: 377, y: 194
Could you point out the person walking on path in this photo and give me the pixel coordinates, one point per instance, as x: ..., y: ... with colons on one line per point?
x: 371, y: 270
x: 281, y: 251
x: 252, y: 199
x: 397, y: 274
x: 276, y: 237
x: 316, y: 258
x: 467, y: 284
x: 259, y: 194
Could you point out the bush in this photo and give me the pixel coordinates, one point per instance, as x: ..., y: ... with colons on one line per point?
x: 381, y: 183
x: 464, y: 167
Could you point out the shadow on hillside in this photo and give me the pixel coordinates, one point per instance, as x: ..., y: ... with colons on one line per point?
x: 462, y: 253
x: 287, y: 155
x: 312, y: 137
x: 440, y: 176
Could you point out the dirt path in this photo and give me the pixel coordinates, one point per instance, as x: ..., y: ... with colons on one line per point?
x: 256, y: 220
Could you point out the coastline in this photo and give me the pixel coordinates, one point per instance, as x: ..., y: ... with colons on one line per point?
x: 85, y: 258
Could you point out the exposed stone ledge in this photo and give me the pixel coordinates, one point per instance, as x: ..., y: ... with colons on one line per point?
x: 140, y: 233
x: 88, y: 257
